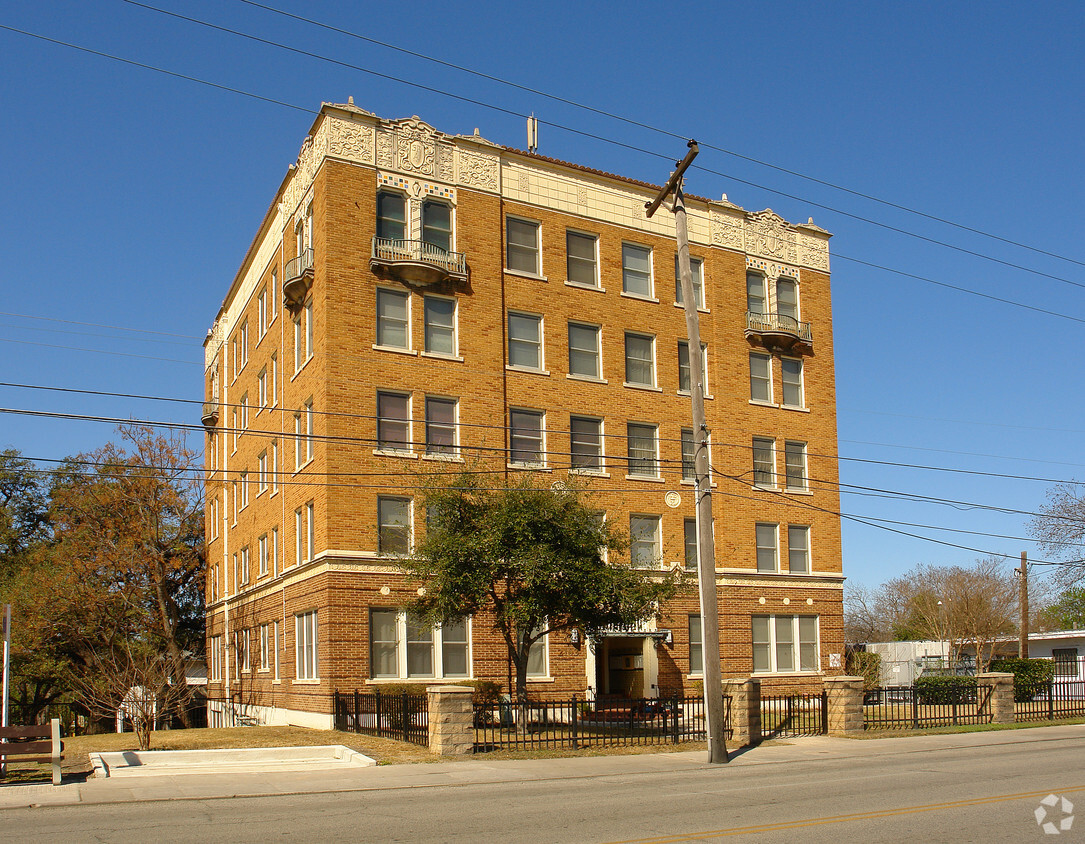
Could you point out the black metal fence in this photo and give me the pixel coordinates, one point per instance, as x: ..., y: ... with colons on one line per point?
x: 1060, y: 699
x: 794, y: 715
x: 903, y: 708
x: 580, y: 723
x: 403, y: 717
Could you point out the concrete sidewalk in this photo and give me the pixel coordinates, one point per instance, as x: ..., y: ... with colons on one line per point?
x: 479, y: 770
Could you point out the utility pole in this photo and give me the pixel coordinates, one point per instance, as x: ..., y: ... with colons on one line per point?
x: 1022, y: 596
x: 706, y: 558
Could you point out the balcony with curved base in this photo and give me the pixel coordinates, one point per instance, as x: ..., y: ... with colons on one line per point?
x: 210, y: 414
x: 416, y: 262
x: 778, y: 332
x: 298, y: 279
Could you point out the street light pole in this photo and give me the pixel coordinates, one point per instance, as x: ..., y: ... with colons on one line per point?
x: 706, y: 558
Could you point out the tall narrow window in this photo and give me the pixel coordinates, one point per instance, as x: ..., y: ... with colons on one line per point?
x: 437, y: 225
x: 382, y: 643
x: 760, y: 377
x: 791, y: 372
x: 261, y: 472
x: 525, y: 340
x: 261, y: 390
x: 645, y: 550
x: 584, y: 350
x: 580, y: 255
x: 787, y: 298
x: 689, y: 535
x: 798, y: 549
x: 522, y: 254
x: 696, y: 645
x: 299, y: 350
x: 299, y: 441
x: 689, y: 456
x: 454, y: 649
x: 394, y: 525
x: 262, y: 545
x: 586, y: 443
x: 440, y: 318
x: 391, y: 216
x: 393, y: 422
x: 299, y: 537
x: 764, y: 462
x: 636, y: 270
x: 526, y: 437
x: 310, y: 531
x: 755, y: 293
x: 308, y: 312
x: 795, y: 465
x: 261, y: 307
x: 685, y: 384
x: 767, y: 552
x: 696, y: 267
x: 640, y: 363
x: 305, y: 627
x: 419, y: 647
x: 393, y: 324
x: 642, y: 451
x: 273, y: 395
x: 440, y: 426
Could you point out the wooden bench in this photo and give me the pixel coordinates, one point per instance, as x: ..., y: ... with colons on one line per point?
x: 36, y: 743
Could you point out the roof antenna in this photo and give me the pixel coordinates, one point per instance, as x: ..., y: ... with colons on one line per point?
x: 532, y: 134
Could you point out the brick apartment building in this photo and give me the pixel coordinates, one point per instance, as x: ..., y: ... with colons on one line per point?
x: 413, y: 300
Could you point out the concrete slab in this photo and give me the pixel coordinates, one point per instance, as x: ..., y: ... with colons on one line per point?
x: 133, y: 763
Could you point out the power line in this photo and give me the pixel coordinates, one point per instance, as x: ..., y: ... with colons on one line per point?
x: 93, y: 334
x: 97, y: 351
x: 101, y: 325
x: 665, y: 132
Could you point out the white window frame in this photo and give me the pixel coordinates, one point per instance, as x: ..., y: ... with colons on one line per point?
x: 526, y: 412
x: 245, y: 563
x: 243, y: 480
x: 383, y: 322
x: 696, y: 646
x: 526, y: 342
x: 651, y: 384
x: 775, y: 645
x: 685, y: 391
x: 636, y: 543
x: 635, y: 462
x: 262, y: 554
x: 261, y: 390
x: 264, y: 636
x: 214, y: 645
x: 306, y: 646
x: 437, y: 645
x: 390, y: 446
x: 599, y: 456
x: 696, y: 267
x: 274, y: 466
x: 802, y: 550
x: 569, y: 258
x: 451, y: 329
x: 770, y: 444
x: 795, y: 447
x: 795, y: 384
x: 767, y: 531
x: 690, y: 544
x: 407, y: 526
x: 756, y: 293
x: 261, y: 307
x: 629, y: 273
x: 451, y: 450
x: 537, y: 272
x: 261, y: 473
x: 596, y: 351
x: 764, y: 377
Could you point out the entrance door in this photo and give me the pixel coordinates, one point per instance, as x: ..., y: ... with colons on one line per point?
x: 621, y: 669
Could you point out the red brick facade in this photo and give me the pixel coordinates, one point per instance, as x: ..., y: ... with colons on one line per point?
x: 338, y: 473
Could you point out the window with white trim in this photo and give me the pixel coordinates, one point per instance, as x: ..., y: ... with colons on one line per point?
x: 305, y: 646
x: 261, y: 472
x: 391, y: 216
x: 787, y: 298
x: 275, y: 551
x: 526, y: 444
x: 244, y: 556
x: 437, y: 224
x: 689, y: 455
x: 243, y: 480
x: 791, y: 378
x: 261, y: 390
x: 795, y: 465
x: 798, y: 549
x: 308, y: 429
x: 645, y: 542
x: 755, y: 293
x: 764, y: 462
x: 785, y: 643
x: 640, y: 359
x: 581, y: 252
x: 696, y: 645
x: 767, y: 539
x: 696, y: 266
x: 243, y: 409
x: 691, y: 545
x: 760, y: 377
x: 586, y: 443
x: 261, y: 307
x: 441, y: 426
x: 685, y: 385
x: 525, y: 341
x: 637, y: 270
x: 538, y: 658
x: 584, y: 350
x: 403, y: 647
x: 642, y: 450
x: 274, y: 466
x: 265, y: 636
x: 262, y: 555
x: 273, y: 394
x: 393, y: 422
x: 522, y: 246
x: 393, y: 525
x: 214, y: 648
x: 393, y: 319
x: 440, y: 325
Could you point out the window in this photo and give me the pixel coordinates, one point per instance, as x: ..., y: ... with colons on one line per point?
x: 791, y: 370
x: 696, y: 646
x: 242, y: 641
x: 274, y: 551
x: 265, y: 635
x: 645, y: 550
x: 391, y: 216
x: 767, y: 536
x: 310, y: 527
x: 261, y: 473
x: 274, y: 295
x: 764, y: 462
x: 299, y: 537
x: 637, y: 270
x: 299, y: 441
x: 526, y: 437
x: 401, y: 646
x: 440, y: 426
x: 642, y: 453
x: 538, y: 658
x: 689, y: 456
x: 689, y: 535
x: 584, y: 350
x: 640, y: 359
x: 234, y: 427
x: 305, y: 627
x: 798, y: 549
x: 580, y: 250
x: 755, y: 293
x: 393, y: 320
x: 307, y: 312
x: 393, y: 422
x: 273, y: 395
x: 215, y: 646
x: 760, y: 377
x: 696, y: 267
x: 586, y: 443
x: 795, y: 465
x: 261, y: 390
x: 785, y: 643
x: 308, y: 430
x: 525, y: 341
x: 1065, y: 660
x: 394, y: 526
x: 244, y: 559
x: 440, y: 318
x: 274, y: 466
x: 684, y: 383
x: 787, y: 298
x: 262, y: 546
x: 243, y: 346
x: 243, y: 408
x: 243, y: 479
x: 213, y: 584
x: 275, y: 640
x: 261, y: 307
x: 299, y: 352
x: 437, y: 225
x: 522, y: 253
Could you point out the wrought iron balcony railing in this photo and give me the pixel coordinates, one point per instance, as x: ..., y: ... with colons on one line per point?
x: 779, y: 327
x: 416, y: 261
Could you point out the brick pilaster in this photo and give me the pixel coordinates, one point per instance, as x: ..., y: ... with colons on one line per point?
x: 1000, y: 702
x: 451, y: 720
x: 845, y: 705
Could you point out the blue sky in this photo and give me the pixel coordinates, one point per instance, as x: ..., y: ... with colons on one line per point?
x: 130, y: 198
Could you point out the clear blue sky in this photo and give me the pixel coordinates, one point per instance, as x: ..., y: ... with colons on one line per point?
x: 130, y: 198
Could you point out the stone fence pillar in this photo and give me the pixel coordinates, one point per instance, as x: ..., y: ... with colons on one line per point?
x: 845, y: 705
x: 745, y: 717
x: 451, y: 720
x: 1000, y: 688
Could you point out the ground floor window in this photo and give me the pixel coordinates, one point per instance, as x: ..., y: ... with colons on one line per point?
x: 402, y: 646
x: 696, y: 646
x: 783, y: 643
x: 1065, y: 661
x: 214, y: 647
x: 305, y: 642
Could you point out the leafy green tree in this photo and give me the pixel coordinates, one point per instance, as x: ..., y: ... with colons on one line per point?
x: 24, y: 509
x: 1067, y: 612
x: 1060, y: 531
x: 539, y: 559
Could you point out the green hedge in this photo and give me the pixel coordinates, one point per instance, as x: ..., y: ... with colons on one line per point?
x: 1030, y: 676
x: 936, y: 690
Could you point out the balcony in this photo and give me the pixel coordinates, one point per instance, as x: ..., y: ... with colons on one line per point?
x: 210, y: 415
x: 416, y: 262
x: 777, y: 331
x: 298, y: 278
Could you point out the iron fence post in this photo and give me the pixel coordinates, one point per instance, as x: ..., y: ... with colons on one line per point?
x: 379, y: 722
x: 406, y: 717
x: 825, y: 712
x: 575, y: 712
x: 1051, y: 701
x: 915, y: 707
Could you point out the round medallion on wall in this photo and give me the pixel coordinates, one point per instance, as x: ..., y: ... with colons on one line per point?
x: 760, y: 600
x: 421, y: 591
x: 385, y: 590
x: 673, y: 499
x: 809, y: 602
x: 787, y: 600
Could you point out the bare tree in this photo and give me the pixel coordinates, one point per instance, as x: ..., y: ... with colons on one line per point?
x: 865, y: 619
x: 1060, y: 531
